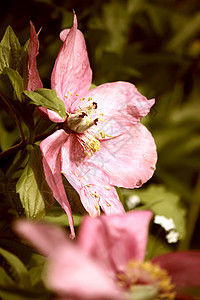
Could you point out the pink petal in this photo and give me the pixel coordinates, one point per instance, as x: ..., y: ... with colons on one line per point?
x: 121, y: 105
x: 42, y: 236
x: 70, y: 272
x: 183, y: 267
x: 129, y: 159
x: 50, y: 115
x: 88, y: 180
x: 116, y: 239
x: 34, y: 81
x: 72, y: 72
x: 51, y: 149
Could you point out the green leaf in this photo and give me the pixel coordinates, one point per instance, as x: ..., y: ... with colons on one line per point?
x: 47, y: 98
x: 17, y: 265
x: 4, y: 278
x: 24, y: 64
x: 6, y: 89
x: 190, y: 29
x: 9, y: 50
x: 8, y: 131
x: 35, y: 274
x: 34, y: 192
x: 157, y: 246
x: 58, y: 217
x: 92, y: 86
x: 16, y: 82
x: 165, y: 203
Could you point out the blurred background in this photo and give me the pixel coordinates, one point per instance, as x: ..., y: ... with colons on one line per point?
x: 155, y: 45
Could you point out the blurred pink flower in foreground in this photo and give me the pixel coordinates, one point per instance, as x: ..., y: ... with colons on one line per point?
x: 102, y: 143
x: 107, y: 261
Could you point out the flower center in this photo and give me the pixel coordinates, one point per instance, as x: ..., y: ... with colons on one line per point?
x: 146, y: 273
x: 89, y: 143
x: 82, y: 120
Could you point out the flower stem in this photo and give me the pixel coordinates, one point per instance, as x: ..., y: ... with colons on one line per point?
x: 12, y: 150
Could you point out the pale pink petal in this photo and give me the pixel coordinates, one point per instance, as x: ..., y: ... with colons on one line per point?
x: 34, y: 81
x: 51, y: 150
x: 129, y: 159
x: 45, y: 238
x: 72, y: 72
x: 70, y: 272
x: 115, y: 240
x: 183, y: 267
x: 88, y: 180
x: 50, y: 115
x: 121, y: 105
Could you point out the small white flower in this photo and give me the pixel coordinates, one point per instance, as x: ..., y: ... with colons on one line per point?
x: 166, y: 223
x: 173, y: 236
x: 132, y: 201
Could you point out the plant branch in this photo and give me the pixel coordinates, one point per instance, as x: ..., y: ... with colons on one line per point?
x: 12, y: 149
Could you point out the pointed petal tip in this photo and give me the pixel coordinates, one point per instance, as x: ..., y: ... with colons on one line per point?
x: 75, y: 19
x: 152, y: 101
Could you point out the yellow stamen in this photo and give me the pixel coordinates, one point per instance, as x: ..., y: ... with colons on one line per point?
x: 96, y: 195
x: 102, y: 120
x: 107, y: 188
x: 136, y: 270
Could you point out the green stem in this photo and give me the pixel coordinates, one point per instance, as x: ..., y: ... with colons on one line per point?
x: 12, y: 150
x: 11, y: 110
x: 18, y: 122
x: 32, y: 138
x: 192, y: 217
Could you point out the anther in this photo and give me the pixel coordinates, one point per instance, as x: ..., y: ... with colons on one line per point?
x: 96, y: 121
x: 83, y: 114
x: 95, y: 105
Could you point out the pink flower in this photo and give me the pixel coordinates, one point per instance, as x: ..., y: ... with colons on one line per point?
x: 107, y: 261
x: 102, y: 143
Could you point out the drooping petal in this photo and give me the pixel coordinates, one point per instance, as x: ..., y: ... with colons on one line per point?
x: 34, y: 81
x: 71, y: 72
x: 129, y: 159
x: 115, y: 240
x: 121, y: 105
x: 70, y: 272
x: 51, y: 150
x: 88, y: 180
x: 183, y: 267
